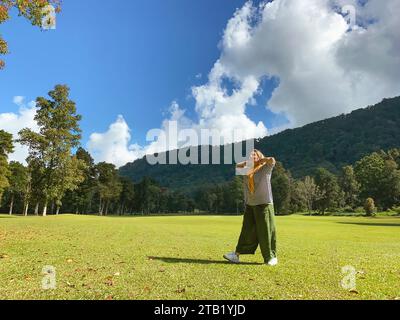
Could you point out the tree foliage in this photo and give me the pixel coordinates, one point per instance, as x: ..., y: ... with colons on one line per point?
x: 50, y: 148
x: 6, y: 147
x: 330, y: 144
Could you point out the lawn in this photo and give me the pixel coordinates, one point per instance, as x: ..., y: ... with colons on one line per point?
x: 181, y: 258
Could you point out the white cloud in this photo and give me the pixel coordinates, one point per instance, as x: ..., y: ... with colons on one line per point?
x: 18, y: 100
x: 14, y: 122
x: 323, y: 67
x: 113, y: 145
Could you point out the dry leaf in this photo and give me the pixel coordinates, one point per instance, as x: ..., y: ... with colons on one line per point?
x: 70, y: 260
x: 183, y: 290
x: 353, y: 291
x: 109, y: 281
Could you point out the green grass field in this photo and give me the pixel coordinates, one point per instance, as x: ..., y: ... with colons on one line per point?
x: 181, y: 258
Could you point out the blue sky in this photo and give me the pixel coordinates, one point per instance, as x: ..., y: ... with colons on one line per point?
x: 121, y: 57
x: 228, y: 64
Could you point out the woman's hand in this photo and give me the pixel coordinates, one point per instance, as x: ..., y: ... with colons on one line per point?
x: 241, y: 165
x: 268, y: 161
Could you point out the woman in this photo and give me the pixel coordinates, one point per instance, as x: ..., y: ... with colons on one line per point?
x: 259, y: 217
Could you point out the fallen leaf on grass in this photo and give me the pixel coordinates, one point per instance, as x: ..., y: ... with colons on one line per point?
x: 109, y: 298
x: 70, y: 285
x: 109, y: 281
x: 117, y: 274
x: 4, y: 256
x: 183, y: 290
x: 354, y: 291
x: 70, y: 260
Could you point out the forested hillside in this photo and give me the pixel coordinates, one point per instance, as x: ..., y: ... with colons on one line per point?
x: 331, y: 144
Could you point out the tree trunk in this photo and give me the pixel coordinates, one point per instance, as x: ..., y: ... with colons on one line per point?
x: 37, y: 209
x: 26, y: 208
x: 101, y: 208
x: 11, y: 205
x: 45, y: 209
x: 58, y: 210
x: 107, y: 207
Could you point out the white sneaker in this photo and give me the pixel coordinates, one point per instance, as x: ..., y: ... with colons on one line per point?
x: 273, y: 262
x: 232, y: 257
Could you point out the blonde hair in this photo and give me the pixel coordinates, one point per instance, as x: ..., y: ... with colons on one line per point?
x: 259, y: 154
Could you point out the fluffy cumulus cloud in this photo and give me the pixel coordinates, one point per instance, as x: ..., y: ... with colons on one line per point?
x: 324, y: 68
x: 13, y: 122
x: 326, y: 61
x: 113, y: 146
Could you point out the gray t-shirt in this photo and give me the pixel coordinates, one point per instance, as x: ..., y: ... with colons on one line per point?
x: 263, y: 191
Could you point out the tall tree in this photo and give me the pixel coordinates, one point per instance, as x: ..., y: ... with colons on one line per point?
x: 36, y: 177
x: 379, y: 176
x: 109, y: 186
x: 350, y: 186
x: 331, y: 195
x: 81, y: 199
x: 236, y: 192
x: 309, y: 191
x: 127, y: 195
x: 35, y: 11
x: 18, y: 182
x: 50, y: 148
x: 281, y: 186
x: 6, y: 147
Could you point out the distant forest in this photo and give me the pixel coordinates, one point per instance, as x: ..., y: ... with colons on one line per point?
x: 330, y: 144
x: 346, y: 164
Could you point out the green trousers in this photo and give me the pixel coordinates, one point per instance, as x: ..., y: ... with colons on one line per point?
x: 258, y: 229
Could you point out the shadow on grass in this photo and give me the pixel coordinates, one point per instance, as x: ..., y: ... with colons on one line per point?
x: 373, y: 224
x: 198, y: 261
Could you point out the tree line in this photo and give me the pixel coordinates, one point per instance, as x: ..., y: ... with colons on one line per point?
x: 62, y: 177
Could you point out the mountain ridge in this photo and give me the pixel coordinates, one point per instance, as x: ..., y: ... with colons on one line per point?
x: 330, y: 143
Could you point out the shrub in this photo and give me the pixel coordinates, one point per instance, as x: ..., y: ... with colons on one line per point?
x: 359, y: 210
x: 369, y: 207
x: 396, y: 209
x: 349, y: 209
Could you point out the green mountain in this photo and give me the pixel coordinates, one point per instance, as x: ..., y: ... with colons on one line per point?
x: 331, y: 143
